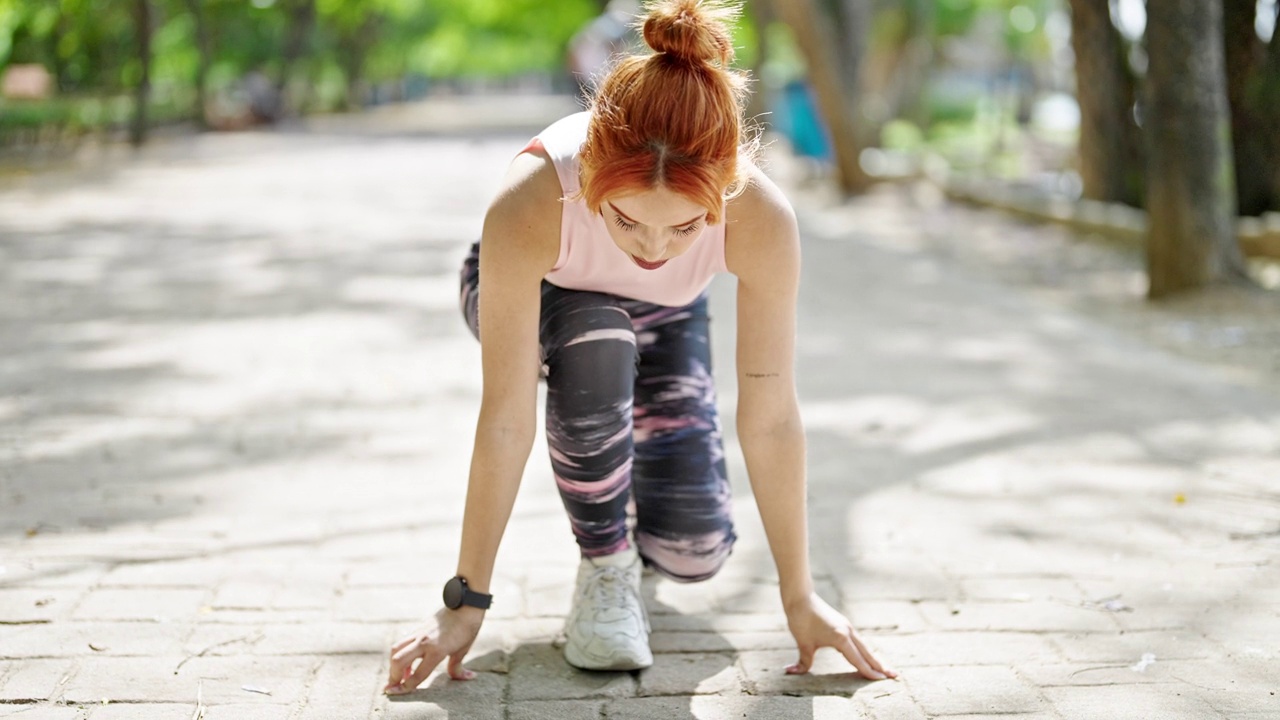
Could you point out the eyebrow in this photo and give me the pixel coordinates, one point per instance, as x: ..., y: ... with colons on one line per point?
x: 686, y: 222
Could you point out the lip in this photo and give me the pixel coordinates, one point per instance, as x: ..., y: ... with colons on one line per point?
x: 648, y: 265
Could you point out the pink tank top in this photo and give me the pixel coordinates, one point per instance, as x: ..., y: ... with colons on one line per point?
x: 589, y: 259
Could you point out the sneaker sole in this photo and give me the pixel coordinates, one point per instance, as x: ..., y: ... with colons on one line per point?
x: 574, y: 658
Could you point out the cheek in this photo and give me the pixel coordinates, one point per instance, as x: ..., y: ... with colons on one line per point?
x: 619, y: 238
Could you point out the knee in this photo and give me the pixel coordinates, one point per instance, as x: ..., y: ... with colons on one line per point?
x: 687, y: 559
x: 591, y: 344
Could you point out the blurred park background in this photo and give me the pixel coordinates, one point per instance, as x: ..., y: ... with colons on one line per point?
x: 1083, y: 112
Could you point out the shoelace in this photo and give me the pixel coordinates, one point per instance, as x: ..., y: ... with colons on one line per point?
x: 610, y: 587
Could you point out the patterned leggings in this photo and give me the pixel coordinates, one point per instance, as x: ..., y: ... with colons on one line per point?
x: 631, y: 424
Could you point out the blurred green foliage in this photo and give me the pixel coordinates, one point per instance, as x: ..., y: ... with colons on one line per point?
x: 324, y: 47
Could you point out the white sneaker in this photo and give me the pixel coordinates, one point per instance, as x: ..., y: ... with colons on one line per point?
x: 608, y: 628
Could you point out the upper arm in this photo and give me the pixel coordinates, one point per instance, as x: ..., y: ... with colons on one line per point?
x: 519, y: 245
x: 762, y: 248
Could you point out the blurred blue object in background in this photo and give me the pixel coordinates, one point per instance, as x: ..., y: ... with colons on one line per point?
x: 796, y: 117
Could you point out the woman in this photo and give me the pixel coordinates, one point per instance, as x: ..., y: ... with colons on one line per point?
x: 597, y: 254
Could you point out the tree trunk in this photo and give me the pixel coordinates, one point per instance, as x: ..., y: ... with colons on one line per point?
x: 852, y: 23
x: 196, y: 8
x: 814, y: 36
x: 302, y: 18
x: 142, y: 93
x: 1190, y: 188
x: 1268, y: 106
x: 1105, y: 92
x: 897, y: 62
x: 1245, y: 59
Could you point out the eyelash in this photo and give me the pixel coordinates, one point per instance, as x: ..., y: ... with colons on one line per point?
x: 617, y: 220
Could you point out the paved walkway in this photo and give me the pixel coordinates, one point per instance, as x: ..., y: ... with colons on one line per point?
x: 236, y: 409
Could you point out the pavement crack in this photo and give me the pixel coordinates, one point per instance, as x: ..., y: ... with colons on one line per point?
x: 251, y: 639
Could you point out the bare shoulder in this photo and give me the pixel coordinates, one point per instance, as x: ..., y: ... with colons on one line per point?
x: 760, y: 231
x: 523, y: 221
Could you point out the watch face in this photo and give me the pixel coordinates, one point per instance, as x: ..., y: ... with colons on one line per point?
x: 453, y: 591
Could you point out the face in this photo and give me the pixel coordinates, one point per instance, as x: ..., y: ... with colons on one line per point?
x: 653, y: 226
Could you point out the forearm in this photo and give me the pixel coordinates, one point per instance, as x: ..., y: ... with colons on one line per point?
x: 497, y: 464
x: 775, y: 455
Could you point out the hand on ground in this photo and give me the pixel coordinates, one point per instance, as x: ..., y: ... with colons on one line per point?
x: 449, y: 635
x: 816, y: 624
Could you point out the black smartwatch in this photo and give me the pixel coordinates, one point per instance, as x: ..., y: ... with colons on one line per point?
x: 457, y: 594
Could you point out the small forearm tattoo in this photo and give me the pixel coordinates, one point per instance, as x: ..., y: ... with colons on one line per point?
x: 762, y: 375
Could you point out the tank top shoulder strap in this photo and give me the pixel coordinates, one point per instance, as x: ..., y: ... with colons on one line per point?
x: 561, y: 140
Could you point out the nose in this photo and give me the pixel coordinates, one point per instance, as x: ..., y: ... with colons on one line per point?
x: 652, y: 250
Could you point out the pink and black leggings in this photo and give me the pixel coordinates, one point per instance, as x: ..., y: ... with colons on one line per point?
x: 631, y: 424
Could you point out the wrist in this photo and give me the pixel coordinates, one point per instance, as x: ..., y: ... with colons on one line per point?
x: 458, y: 594
x: 468, y: 614
x: 796, y: 598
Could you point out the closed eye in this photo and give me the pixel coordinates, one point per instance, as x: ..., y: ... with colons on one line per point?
x: 688, y: 231
x: 617, y: 220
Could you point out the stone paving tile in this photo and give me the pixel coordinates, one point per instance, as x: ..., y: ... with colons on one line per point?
x: 1129, y: 702
x: 219, y: 679
x: 1115, y: 647
x: 241, y: 711
x: 37, y: 604
x: 440, y: 697
x: 34, y: 680
x: 1005, y: 716
x: 692, y: 674
x: 889, y: 701
x: 712, y: 707
x: 1169, y: 616
x: 532, y: 631
x: 382, y: 604
x: 42, y: 712
x: 243, y: 595
x: 210, y: 615
x: 1005, y: 589
x: 548, y: 600
x: 886, y: 616
x: 32, y: 573
x: 195, y: 572
x: 959, y: 690
x: 327, y: 638
x: 556, y: 710
x: 539, y: 672
x: 141, y: 711
x: 389, y: 572
x: 961, y: 648
x: 666, y: 598
x: 831, y: 674
x: 344, y: 687
x: 151, y: 604
x: 1161, y: 671
x: 662, y: 642
x: 431, y: 710
x: 1233, y: 686
x: 1029, y: 616
x: 727, y: 623
x: 68, y: 638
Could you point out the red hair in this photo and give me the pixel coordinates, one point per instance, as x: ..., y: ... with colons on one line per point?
x: 674, y: 118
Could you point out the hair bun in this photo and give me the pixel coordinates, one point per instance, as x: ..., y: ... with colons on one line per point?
x: 690, y: 30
